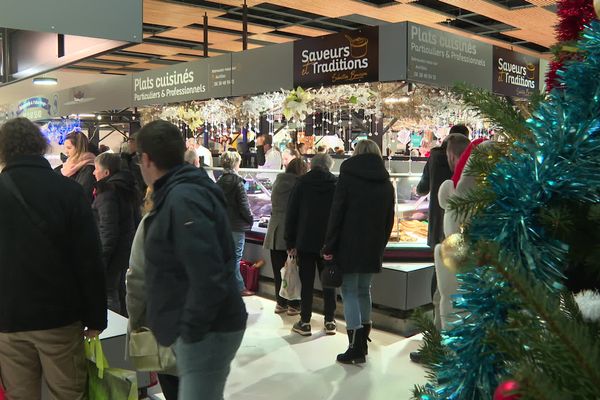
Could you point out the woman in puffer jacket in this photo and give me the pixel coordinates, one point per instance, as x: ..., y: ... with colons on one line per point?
x: 116, y: 210
x: 238, y: 209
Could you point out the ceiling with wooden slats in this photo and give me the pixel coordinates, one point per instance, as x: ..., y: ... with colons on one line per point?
x: 174, y: 30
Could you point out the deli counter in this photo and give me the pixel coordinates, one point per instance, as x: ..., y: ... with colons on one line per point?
x: 405, y: 281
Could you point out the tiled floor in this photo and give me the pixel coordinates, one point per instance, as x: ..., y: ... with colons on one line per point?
x: 274, y: 363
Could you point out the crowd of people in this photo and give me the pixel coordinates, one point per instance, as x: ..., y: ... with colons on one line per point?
x: 148, y: 234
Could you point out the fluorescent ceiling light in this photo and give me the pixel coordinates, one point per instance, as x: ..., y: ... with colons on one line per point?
x: 393, y: 100
x: 45, y: 81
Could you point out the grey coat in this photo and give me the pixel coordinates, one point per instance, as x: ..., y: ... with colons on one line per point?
x: 282, y: 188
x: 136, y: 287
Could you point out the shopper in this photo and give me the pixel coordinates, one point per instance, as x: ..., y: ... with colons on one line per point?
x: 362, y: 216
x: 288, y: 155
x: 80, y: 163
x: 116, y: 210
x: 136, y: 299
x: 306, y: 222
x: 272, y: 155
x: 51, y: 276
x: 204, y: 154
x: 131, y: 163
x: 275, y: 238
x: 191, y: 158
x: 238, y: 210
x: 435, y: 172
x: 458, y: 151
x: 193, y: 297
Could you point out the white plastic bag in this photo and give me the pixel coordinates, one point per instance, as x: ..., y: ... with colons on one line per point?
x: 290, y: 280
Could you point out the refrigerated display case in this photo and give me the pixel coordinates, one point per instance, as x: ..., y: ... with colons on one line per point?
x: 408, y: 240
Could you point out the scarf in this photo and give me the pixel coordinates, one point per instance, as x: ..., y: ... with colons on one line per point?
x: 71, y: 166
x: 462, y: 162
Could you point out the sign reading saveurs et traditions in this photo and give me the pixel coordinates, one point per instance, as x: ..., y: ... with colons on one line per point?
x: 515, y: 74
x: 347, y: 57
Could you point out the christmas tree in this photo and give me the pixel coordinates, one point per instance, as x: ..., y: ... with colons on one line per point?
x: 573, y: 15
x: 532, y: 241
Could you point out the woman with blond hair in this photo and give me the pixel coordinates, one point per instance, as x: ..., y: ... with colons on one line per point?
x: 80, y: 163
x: 238, y: 209
x: 360, y: 224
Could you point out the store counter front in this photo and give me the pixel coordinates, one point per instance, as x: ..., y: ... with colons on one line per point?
x: 405, y: 281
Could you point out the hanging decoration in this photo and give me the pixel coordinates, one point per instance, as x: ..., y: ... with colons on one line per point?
x: 56, y: 131
x: 297, y: 104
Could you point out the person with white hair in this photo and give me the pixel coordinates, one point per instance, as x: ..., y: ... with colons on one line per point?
x: 238, y: 209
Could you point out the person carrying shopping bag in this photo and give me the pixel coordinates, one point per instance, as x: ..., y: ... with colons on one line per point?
x: 306, y: 223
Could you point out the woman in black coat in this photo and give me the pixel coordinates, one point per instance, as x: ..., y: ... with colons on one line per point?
x: 80, y: 163
x: 116, y: 210
x: 238, y: 209
x: 361, y: 221
x: 306, y: 223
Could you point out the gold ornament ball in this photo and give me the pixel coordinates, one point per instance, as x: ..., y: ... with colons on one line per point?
x: 597, y: 7
x: 454, y: 252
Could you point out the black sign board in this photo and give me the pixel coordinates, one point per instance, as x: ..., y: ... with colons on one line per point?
x: 515, y: 74
x: 341, y: 58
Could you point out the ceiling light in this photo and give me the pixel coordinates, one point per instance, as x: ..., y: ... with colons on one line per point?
x: 82, y: 116
x: 99, y: 117
x: 45, y: 81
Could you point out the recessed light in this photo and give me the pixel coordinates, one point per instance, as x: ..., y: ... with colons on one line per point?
x: 45, y: 81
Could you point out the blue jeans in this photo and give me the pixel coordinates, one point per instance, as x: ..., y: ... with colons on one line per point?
x: 203, y: 366
x: 356, y: 295
x: 239, y: 239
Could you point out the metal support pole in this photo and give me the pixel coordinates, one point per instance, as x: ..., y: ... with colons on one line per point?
x: 205, y: 35
x: 61, y: 45
x: 245, y: 26
x: 6, y: 56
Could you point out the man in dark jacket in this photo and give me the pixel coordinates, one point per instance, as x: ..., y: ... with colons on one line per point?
x: 306, y: 224
x: 116, y: 210
x: 51, y: 276
x: 436, y: 171
x: 193, y: 299
x: 131, y: 163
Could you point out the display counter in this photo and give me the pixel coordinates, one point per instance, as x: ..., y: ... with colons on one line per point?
x: 408, y: 241
x: 405, y: 281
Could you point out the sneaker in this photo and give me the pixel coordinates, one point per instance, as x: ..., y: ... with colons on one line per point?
x: 280, y: 309
x: 302, y: 328
x: 330, y: 327
x: 291, y: 311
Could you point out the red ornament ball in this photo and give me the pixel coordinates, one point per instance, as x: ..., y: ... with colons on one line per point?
x: 505, y: 389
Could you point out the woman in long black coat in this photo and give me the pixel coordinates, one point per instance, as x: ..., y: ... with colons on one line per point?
x: 116, y: 208
x: 361, y: 221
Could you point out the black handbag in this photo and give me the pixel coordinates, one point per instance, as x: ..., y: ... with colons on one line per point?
x: 331, y: 276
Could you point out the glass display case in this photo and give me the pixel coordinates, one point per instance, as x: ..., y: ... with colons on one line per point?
x: 410, y: 225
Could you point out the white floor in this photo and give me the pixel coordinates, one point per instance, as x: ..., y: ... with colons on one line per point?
x: 274, y: 363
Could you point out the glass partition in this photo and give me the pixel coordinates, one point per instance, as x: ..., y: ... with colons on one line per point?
x: 410, y: 225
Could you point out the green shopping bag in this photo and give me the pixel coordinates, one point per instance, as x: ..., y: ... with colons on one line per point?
x: 106, y: 383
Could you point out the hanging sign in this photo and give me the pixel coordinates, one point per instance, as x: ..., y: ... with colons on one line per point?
x: 442, y: 59
x: 341, y: 58
x: 515, y: 74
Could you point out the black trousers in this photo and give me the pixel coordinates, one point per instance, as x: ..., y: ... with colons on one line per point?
x: 308, y: 263
x: 278, y: 259
x: 169, y: 385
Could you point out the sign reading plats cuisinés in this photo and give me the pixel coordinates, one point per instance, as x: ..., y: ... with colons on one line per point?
x: 179, y: 83
x: 341, y: 58
x: 515, y: 74
x: 443, y: 59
